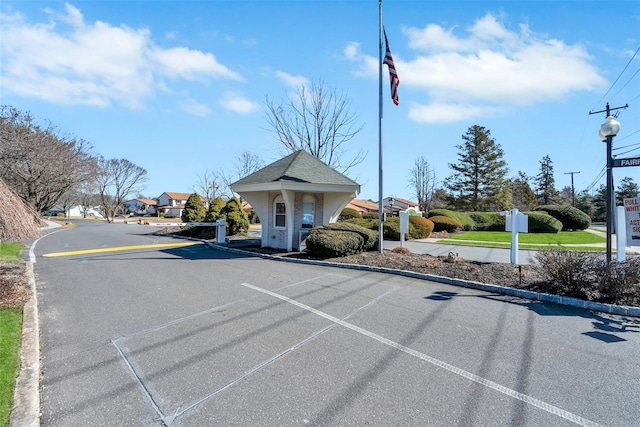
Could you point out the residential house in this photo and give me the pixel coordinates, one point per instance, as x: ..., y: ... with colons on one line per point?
x: 171, y: 203
x: 141, y: 206
x: 363, y: 206
x: 394, y: 205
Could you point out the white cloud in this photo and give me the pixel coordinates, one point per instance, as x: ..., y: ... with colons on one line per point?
x: 237, y: 103
x: 69, y: 61
x: 193, y: 107
x: 293, y: 81
x: 488, y: 70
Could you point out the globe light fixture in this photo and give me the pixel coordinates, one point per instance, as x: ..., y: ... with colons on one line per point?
x: 608, y: 130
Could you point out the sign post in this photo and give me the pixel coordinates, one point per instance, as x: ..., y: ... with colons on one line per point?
x: 516, y: 222
x: 404, y: 226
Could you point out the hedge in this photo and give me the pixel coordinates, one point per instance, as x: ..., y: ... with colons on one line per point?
x: 444, y: 223
x: 348, y: 213
x: 461, y: 217
x: 570, y: 217
x: 369, y: 236
x: 333, y: 243
x: 488, y: 221
x: 543, y: 223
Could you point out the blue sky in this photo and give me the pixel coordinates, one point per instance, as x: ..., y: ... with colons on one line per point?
x: 178, y: 87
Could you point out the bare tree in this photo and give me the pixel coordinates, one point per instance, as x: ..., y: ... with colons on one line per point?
x: 207, y: 185
x: 318, y: 120
x: 117, y: 178
x: 422, y: 180
x: 88, y: 196
x: 38, y: 161
x: 248, y: 163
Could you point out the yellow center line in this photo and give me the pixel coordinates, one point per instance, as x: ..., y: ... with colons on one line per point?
x: 120, y: 248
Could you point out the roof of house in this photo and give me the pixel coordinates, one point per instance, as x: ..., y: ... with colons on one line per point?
x: 403, y: 201
x: 367, y: 205
x: 177, y: 196
x: 149, y: 202
x: 297, y: 167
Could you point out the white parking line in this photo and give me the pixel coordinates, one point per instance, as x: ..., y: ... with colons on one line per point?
x: 436, y: 362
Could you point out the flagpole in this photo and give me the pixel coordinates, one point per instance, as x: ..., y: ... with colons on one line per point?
x: 380, y: 201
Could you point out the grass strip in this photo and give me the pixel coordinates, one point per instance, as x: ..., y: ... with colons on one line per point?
x: 10, y: 336
x: 10, y: 250
x: 562, y: 238
x: 520, y: 246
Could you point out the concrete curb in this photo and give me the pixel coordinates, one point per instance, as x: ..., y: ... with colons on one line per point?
x: 520, y: 293
x: 26, y: 395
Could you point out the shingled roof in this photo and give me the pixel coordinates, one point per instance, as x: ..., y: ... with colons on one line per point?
x: 299, y: 167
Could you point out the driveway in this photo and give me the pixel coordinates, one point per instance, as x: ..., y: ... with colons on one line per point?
x: 143, y: 330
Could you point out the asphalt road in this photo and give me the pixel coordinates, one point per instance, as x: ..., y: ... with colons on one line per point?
x: 194, y: 336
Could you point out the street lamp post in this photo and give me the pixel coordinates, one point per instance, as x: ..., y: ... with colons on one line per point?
x: 391, y: 205
x: 608, y: 131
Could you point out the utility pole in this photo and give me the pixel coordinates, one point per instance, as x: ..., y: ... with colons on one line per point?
x: 573, y: 192
x: 611, y: 131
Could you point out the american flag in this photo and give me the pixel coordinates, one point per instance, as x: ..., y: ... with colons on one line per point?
x: 393, y: 76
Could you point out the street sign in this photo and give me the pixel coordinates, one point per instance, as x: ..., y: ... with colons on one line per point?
x: 631, y: 161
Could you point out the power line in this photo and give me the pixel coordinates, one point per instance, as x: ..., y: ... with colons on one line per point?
x: 618, y: 78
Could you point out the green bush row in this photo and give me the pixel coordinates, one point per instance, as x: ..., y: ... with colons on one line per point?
x: 463, y: 218
x: 570, y: 217
x: 444, y: 223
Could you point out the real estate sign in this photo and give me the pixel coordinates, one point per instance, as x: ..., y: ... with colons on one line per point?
x: 632, y: 220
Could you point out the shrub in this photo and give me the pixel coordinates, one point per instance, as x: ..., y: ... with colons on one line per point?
x: 213, y: 213
x: 370, y: 215
x: 542, y: 223
x: 371, y: 224
x: 619, y: 282
x: 461, y: 217
x: 348, y: 213
x: 400, y: 250
x: 568, y: 273
x: 570, y: 217
x: 419, y: 227
x: 237, y: 220
x: 325, y: 243
x: 194, y: 210
x: 370, y: 237
x: 488, y: 221
x: 444, y: 223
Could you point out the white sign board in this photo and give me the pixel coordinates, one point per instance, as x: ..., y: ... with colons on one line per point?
x: 632, y: 220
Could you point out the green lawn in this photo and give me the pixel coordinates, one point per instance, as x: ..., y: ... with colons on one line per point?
x: 562, y: 238
x: 10, y: 333
x: 10, y: 250
x: 10, y: 337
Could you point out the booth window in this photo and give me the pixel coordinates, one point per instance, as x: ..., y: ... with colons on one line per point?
x: 280, y: 213
x: 308, y: 208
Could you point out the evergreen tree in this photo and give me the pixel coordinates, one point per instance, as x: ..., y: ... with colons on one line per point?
x: 545, y: 182
x: 237, y: 219
x: 213, y: 213
x: 600, y: 204
x: 479, y: 176
x: 584, y: 202
x: 627, y: 189
x: 524, y: 198
x: 194, y: 210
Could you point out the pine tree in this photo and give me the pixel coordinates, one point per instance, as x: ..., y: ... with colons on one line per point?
x: 545, y: 182
x: 237, y: 219
x: 213, y: 213
x: 524, y: 198
x: 479, y: 176
x: 194, y: 210
x: 627, y: 189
